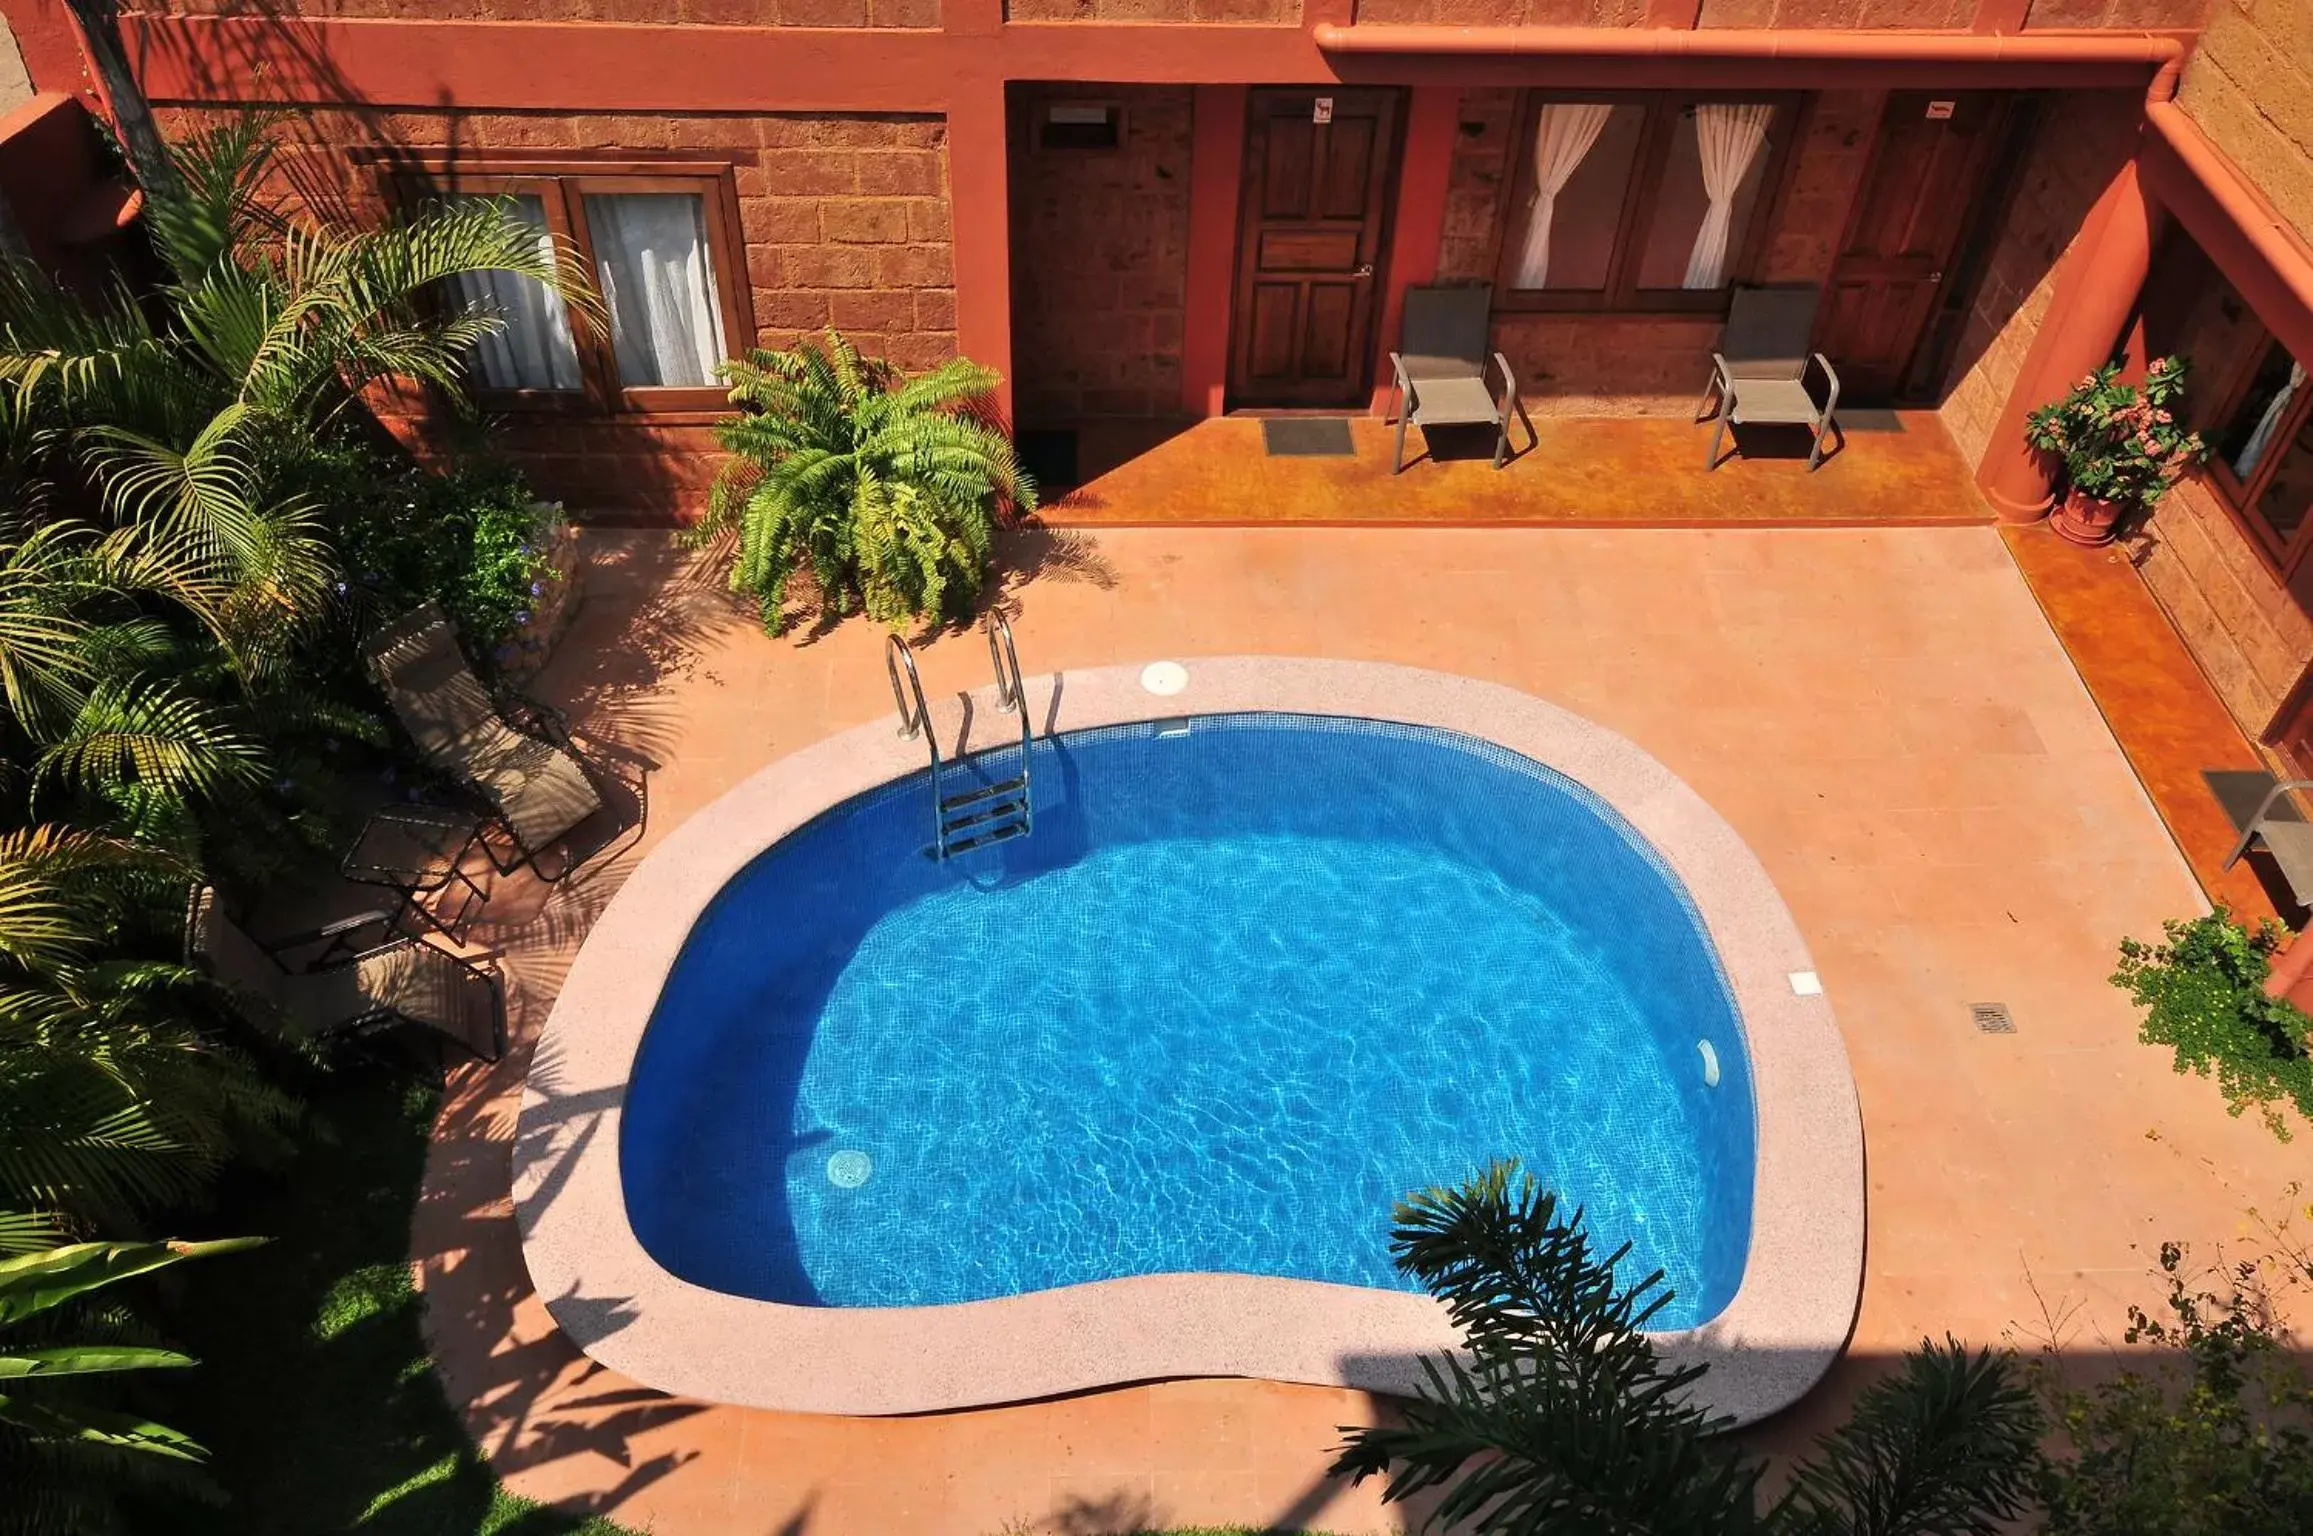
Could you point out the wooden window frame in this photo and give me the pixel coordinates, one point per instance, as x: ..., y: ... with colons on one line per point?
x: 2240, y: 497
x: 1649, y: 164
x: 563, y: 185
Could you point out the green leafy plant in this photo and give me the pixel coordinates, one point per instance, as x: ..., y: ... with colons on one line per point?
x: 2215, y: 1441
x: 64, y: 1449
x: 884, y: 488
x: 1560, y: 1417
x: 470, y: 536
x: 2120, y: 442
x: 2202, y: 990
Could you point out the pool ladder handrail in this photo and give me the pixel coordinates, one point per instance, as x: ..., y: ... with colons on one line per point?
x: 990, y: 812
x: 1012, y: 696
x: 915, y: 716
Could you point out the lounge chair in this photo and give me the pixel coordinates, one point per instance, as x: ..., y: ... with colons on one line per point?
x: 532, y: 776
x: 1760, y: 371
x: 402, y: 981
x: 2287, y: 836
x: 1440, y: 377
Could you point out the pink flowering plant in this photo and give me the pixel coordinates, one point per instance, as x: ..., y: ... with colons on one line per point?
x: 2120, y: 442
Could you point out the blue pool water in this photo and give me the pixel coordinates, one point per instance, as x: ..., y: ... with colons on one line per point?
x: 1243, y: 988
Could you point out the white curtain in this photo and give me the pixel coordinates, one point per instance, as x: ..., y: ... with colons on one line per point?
x: 2261, y: 436
x: 1728, y: 135
x: 533, y: 349
x: 1562, y: 136
x: 651, y: 253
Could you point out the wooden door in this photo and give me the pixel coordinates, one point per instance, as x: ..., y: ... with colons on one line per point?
x: 1928, y: 176
x: 1319, y: 171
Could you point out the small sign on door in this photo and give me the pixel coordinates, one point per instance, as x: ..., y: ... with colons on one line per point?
x: 1940, y: 110
x: 1323, y: 111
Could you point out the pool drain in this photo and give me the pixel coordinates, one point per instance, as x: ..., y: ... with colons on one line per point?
x: 849, y: 1168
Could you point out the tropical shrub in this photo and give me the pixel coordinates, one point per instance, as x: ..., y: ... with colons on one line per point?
x: 1563, y: 1419
x: 66, y: 1451
x: 2202, y: 990
x: 470, y: 536
x: 2120, y: 442
x: 2217, y: 1440
x: 884, y: 488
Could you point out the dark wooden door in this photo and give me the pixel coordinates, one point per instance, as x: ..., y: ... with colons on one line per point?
x: 1309, y: 244
x: 1929, y: 174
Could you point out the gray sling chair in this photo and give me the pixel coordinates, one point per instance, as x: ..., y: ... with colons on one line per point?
x: 1760, y: 371
x: 2286, y: 836
x: 532, y: 776
x: 402, y: 981
x: 1441, y: 375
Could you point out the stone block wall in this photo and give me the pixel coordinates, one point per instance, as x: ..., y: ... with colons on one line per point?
x: 844, y: 222
x: 2083, y: 139
x: 2250, y: 87
x: 1506, y: 13
x: 1637, y: 364
x: 2183, y: 15
x: 2236, y: 616
x: 1275, y: 13
x: 1934, y: 15
x: 1100, y: 243
x: 750, y: 13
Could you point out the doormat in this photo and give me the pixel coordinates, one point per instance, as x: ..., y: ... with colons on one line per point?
x: 1307, y: 437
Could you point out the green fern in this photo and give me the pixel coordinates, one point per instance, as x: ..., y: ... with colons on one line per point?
x: 884, y: 488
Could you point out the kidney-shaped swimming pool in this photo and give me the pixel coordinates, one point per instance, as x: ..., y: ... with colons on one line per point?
x: 1250, y: 980
x: 823, y: 1123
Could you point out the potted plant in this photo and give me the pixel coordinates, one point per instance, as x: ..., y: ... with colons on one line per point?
x: 2122, y: 445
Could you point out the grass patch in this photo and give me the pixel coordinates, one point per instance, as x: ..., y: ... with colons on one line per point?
x: 314, y: 1392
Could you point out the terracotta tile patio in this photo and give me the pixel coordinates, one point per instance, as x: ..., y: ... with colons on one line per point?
x: 1883, y: 713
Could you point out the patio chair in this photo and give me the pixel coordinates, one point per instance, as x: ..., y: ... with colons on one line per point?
x: 530, y: 773
x: 1760, y: 371
x: 2286, y: 835
x: 402, y: 981
x: 1441, y: 375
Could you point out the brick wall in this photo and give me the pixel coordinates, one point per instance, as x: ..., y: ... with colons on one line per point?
x: 2250, y: 87
x: 2083, y: 139
x: 1256, y: 12
x: 1100, y: 260
x: 1622, y: 365
x: 844, y: 218
x: 754, y: 13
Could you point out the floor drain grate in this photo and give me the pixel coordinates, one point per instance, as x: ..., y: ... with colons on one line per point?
x: 1992, y: 1018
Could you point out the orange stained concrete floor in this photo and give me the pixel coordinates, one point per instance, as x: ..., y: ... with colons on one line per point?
x: 1896, y: 467
x: 2168, y: 720
x: 1882, y: 713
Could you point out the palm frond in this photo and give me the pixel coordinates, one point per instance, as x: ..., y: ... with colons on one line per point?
x: 147, y: 735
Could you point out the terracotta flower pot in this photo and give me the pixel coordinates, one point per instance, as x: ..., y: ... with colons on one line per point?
x: 2086, y: 520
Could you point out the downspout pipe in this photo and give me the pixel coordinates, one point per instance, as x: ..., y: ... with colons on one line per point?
x: 2163, y: 52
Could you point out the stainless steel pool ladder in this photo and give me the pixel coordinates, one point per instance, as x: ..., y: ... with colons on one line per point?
x: 986, y: 813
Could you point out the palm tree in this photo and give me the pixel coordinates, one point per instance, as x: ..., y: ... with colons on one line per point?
x: 883, y: 486
x: 1561, y: 1418
x: 117, y: 1097
x: 144, y: 654
x: 64, y: 1456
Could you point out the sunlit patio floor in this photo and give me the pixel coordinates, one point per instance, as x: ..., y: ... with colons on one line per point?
x: 1884, y: 714
x: 1633, y: 471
